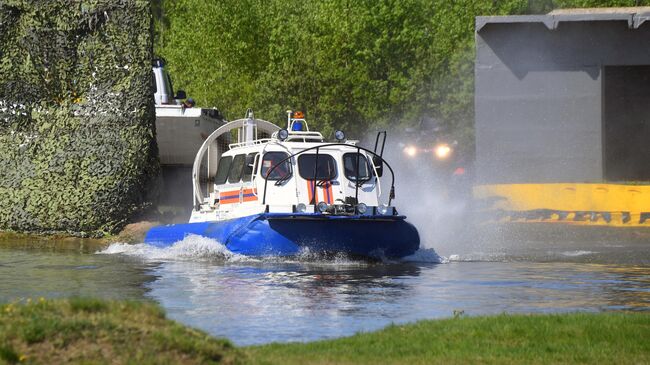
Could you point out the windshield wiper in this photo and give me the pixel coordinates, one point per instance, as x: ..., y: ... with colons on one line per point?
x: 321, y: 183
x: 360, y: 182
x: 282, y: 179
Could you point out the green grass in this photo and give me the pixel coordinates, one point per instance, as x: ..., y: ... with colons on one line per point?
x: 613, y: 338
x: 91, y: 331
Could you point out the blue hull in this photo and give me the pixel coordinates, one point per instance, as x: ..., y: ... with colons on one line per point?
x: 286, y: 234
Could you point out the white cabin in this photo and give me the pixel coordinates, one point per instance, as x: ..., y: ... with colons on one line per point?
x: 231, y: 184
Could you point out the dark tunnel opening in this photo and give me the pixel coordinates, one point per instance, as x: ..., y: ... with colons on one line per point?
x: 626, y: 136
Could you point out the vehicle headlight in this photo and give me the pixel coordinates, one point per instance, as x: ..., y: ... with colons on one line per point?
x: 410, y: 151
x: 301, y: 208
x: 382, y: 209
x: 283, y: 134
x: 442, y: 151
x: 322, y: 207
x: 362, y: 208
x: 339, y: 135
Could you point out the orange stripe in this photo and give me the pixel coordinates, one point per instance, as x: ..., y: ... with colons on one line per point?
x: 310, y: 188
x: 249, y: 198
x: 229, y: 197
x: 329, y: 191
x: 326, y: 188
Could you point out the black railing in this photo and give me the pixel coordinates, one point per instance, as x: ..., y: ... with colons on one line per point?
x: 391, y: 194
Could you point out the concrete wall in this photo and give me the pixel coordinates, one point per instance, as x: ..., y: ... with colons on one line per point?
x: 539, y: 97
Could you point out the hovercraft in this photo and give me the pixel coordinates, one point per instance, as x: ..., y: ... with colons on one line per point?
x: 284, y: 192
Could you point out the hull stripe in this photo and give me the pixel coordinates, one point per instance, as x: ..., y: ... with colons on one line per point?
x: 231, y: 197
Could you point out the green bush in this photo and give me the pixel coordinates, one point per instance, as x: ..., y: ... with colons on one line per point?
x: 77, y: 146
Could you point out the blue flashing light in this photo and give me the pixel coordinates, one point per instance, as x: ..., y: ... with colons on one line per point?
x: 296, y: 126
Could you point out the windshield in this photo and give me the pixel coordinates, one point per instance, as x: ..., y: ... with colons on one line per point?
x: 222, y: 170
x: 281, y: 172
x: 326, y: 167
x: 236, y: 168
x: 249, y: 168
x: 350, y: 167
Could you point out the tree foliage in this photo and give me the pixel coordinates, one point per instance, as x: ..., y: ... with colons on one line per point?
x: 352, y: 64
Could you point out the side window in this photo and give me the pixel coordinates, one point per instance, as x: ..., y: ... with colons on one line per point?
x: 248, y: 167
x: 170, y: 87
x: 256, y: 162
x: 283, y: 171
x: 350, y: 167
x: 326, y: 167
x: 236, y: 169
x: 222, y: 170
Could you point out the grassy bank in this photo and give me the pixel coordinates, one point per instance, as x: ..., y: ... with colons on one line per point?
x: 613, y: 338
x: 93, y: 331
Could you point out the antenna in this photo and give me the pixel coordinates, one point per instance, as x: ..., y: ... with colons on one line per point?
x: 289, y: 112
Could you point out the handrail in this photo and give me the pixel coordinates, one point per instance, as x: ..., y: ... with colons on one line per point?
x: 305, y: 133
x: 391, y: 196
x: 254, y: 175
x: 304, y: 136
x: 254, y: 142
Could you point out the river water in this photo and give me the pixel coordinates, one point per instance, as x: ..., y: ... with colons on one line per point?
x: 201, y: 284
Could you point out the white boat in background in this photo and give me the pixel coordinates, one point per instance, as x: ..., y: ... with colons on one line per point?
x: 181, y: 127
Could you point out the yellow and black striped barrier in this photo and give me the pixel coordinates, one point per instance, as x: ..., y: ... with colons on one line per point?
x: 584, y: 204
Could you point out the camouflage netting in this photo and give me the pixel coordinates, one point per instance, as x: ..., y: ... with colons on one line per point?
x: 77, y: 146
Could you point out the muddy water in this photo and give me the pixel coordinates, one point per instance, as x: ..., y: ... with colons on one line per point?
x: 250, y: 301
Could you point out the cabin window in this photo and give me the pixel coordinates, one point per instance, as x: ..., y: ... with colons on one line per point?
x: 223, y: 169
x: 169, y: 85
x: 282, y: 172
x: 234, y: 176
x: 326, y: 167
x: 248, y: 167
x: 350, y: 167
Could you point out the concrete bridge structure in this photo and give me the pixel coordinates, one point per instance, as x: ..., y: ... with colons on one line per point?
x: 563, y: 114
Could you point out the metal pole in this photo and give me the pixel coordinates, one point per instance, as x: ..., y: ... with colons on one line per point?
x: 356, y: 183
x: 313, y: 193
